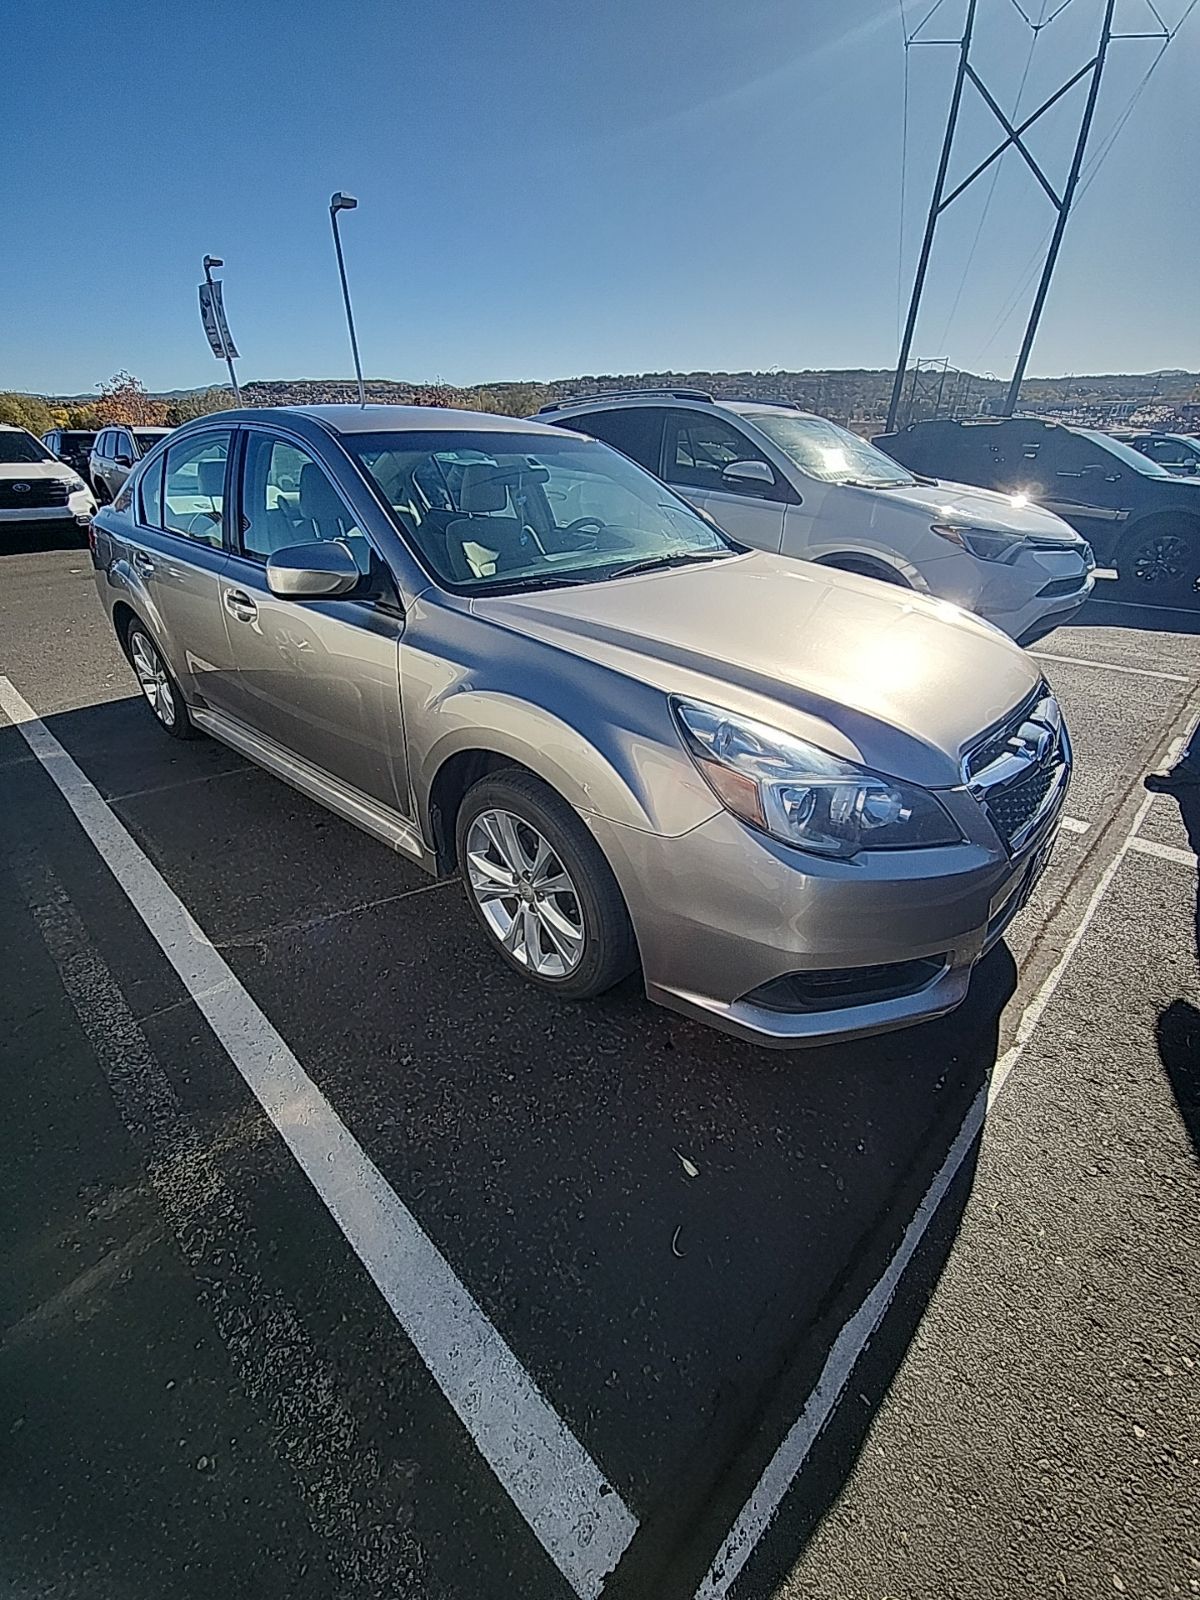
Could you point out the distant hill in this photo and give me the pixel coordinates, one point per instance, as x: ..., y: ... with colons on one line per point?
x: 855, y: 395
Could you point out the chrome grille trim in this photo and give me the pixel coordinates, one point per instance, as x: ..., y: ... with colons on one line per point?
x: 1019, y: 771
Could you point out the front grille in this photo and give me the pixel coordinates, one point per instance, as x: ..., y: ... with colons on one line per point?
x: 34, y: 494
x: 1018, y: 772
x: 1059, y: 586
x: 1015, y: 806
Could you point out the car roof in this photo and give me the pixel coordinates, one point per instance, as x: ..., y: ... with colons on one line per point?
x: 678, y: 399
x: 346, y: 419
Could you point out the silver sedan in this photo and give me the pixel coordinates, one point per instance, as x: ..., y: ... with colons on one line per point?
x: 802, y: 803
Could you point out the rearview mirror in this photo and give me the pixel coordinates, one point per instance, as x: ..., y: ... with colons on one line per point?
x: 756, y: 473
x: 316, y: 571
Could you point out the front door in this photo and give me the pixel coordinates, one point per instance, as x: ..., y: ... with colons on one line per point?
x: 320, y: 678
x: 697, y: 447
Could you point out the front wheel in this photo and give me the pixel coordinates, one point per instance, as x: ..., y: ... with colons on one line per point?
x: 157, y: 685
x: 541, y: 889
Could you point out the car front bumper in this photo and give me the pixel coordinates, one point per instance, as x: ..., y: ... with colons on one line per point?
x: 77, y: 515
x: 731, y: 925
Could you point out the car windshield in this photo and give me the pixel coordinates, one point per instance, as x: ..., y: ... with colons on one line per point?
x: 16, y: 446
x: 146, y: 439
x: 829, y: 453
x: 495, y: 511
x: 1125, y: 453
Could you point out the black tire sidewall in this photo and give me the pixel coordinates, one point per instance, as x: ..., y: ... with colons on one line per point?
x: 609, y: 952
x: 1133, y: 589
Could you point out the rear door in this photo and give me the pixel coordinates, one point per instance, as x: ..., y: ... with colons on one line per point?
x: 180, y: 558
x: 636, y: 431
x: 321, y: 678
x: 1082, y: 482
x: 697, y: 447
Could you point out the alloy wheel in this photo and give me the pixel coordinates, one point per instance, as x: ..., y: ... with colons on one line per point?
x: 154, y: 678
x: 524, y: 893
x: 1161, y: 559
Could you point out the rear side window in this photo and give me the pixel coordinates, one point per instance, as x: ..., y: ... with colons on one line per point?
x: 636, y: 432
x: 193, y: 495
x: 150, y: 492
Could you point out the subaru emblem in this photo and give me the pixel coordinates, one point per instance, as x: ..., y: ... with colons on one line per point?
x: 20, y: 488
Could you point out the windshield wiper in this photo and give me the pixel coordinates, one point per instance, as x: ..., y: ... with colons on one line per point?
x: 681, y: 558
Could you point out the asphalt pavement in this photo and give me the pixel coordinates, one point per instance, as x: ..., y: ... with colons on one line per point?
x: 908, y: 1317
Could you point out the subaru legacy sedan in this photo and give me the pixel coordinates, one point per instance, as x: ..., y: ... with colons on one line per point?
x: 801, y: 802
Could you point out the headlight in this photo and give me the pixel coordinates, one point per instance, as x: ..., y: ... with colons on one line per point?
x: 989, y: 544
x: 74, y: 485
x: 802, y: 795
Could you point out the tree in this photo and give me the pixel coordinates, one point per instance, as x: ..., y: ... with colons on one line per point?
x: 124, y: 399
x: 199, y: 404
x: 26, y: 411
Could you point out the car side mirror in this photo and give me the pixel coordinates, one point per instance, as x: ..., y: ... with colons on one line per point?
x: 751, y: 474
x: 320, y: 570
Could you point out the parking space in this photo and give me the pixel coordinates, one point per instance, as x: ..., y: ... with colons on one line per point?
x: 669, y: 1232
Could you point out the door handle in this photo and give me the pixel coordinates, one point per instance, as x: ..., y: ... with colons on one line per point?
x: 239, y: 605
x: 143, y: 562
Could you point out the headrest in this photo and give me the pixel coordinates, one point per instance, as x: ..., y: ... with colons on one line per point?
x: 210, y: 478
x: 484, y: 487
x: 318, y: 498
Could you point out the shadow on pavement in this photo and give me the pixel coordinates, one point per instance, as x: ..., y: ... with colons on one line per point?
x: 678, y: 1322
x: 1117, y: 611
x: 1178, y: 1028
x: 30, y: 538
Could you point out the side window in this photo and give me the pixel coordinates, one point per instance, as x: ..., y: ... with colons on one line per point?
x: 122, y: 445
x: 101, y: 441
x: 288, y: 498
x: 150, y: 494
x: 700, y: 446
x: 193, y: 496
x: 1165, y: 451
x: 636, y: 432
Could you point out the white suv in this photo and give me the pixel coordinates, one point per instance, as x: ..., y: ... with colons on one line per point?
x: 785, y: 480
x: 36, y: 487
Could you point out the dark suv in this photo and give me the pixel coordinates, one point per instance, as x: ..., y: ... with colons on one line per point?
x: 72, y: 445
x: 1136, y: 516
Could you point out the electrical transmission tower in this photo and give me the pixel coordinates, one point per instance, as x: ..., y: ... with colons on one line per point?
x: 1013, y: 139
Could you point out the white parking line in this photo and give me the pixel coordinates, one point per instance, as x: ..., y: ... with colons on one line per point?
x: 789, y: 1459
x: 1073, y: 825
x: 582, y: 1523
x: 1113, y: 666
x: 1164, y: 852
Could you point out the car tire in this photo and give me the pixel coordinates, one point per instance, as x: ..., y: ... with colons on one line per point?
x: 157, y: 683
x: 1159, y: 565
x: 574, y: 940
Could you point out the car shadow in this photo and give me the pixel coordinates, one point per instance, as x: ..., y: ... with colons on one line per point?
x: 32, y: 538
x: 1117, y: 611
x: 677, y: 1318
x: 1177, y: 1031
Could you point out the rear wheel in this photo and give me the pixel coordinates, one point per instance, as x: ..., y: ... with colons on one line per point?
x: 157, y: 685
x: 540, y: 887
x: 1161, y: 565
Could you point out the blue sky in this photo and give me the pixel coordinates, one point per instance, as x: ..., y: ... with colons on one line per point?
x: 549, y: 188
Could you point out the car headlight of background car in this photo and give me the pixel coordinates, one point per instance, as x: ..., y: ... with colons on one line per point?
x: 802, y: 795
x: 988, y: 544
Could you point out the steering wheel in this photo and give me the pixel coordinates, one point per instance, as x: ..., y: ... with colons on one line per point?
x: 586, y: 525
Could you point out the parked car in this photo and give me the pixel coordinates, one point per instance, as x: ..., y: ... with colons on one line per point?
x: 805, y: 803
x: 1137, y: 516
x: 72, y: 445
x: 36, y: 489
x: 1177, y: 452
x: 114, y: 455
x: 784, y: 480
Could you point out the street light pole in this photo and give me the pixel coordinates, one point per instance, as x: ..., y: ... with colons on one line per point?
x: 209, y: 263
x: 346, y: 202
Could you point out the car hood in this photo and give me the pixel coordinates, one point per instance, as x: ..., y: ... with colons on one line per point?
x: 959, y: 502
x: 873, y: 673
x: 28, y: 471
